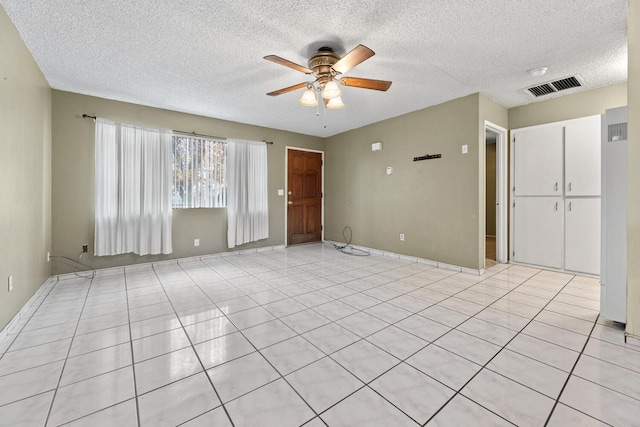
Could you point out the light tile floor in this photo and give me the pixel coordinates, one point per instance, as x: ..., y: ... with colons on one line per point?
x: 310, y: 336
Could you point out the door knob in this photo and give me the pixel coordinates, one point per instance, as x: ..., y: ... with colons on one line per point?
x: 290, y: 202
x: 290, y: 192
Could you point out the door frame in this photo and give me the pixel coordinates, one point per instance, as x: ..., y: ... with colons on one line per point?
x: 286, y: 191
x: 502, y: 255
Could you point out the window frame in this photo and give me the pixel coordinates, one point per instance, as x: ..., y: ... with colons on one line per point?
x: 199, y: 158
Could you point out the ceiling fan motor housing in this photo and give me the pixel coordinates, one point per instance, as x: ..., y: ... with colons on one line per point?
x: 321, y: 64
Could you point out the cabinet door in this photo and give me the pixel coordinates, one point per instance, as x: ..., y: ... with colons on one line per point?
x: 582, y: 157
x: 582, y: 235
x: 538, y: 161
x: 538, y: 231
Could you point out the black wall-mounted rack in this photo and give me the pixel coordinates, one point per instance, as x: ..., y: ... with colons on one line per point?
x: 427, y: 157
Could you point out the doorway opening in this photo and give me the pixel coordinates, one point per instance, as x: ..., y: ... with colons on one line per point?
x: 495, y: 235
x: 304, y: 210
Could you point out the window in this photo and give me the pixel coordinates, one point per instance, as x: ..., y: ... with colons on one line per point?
x: 199, y: 173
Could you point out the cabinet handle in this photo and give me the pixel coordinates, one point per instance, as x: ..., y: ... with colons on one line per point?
x: 569, y: 186
x: 555, y: 187
x: 555, y: 208
x: 569, y: 206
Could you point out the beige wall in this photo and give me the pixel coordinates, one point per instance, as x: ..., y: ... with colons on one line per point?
x: 25, y: 168
x: 73, y: 178
x: 490, y: 185
x: 633, y: 178
x: 567, y: 107
x: 435, y: 203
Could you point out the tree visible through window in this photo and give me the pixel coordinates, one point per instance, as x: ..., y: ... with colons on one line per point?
x: 199, y: 175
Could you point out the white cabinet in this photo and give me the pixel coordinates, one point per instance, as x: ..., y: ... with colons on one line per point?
x: 537, y: 235
x: 582, y: 157
x: 582, y: 235
x: 555, y: 171
x: 538, y: 162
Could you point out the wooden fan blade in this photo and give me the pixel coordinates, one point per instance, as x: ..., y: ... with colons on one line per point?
x: 382, y: 85
x: 359, y: 54
x: 287, y: 63
x: 287, y: 89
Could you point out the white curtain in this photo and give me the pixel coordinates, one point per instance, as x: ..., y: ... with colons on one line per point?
x: 133, y: 189
x: 247, y: 204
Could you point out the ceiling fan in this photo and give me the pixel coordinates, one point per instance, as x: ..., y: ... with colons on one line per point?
x: 327, y: 67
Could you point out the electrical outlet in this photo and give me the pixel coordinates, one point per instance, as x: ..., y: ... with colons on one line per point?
x: 402, y: 237
x: 85, y: 249
x: 48, y: 256
x: 196, y: 242
x: 10, y: 283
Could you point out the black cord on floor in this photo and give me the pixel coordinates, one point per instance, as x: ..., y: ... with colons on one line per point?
x: 75, y: 264
x: 347, y: 248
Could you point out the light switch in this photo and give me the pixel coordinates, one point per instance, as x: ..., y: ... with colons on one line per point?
x: 389, y: 170
x: 465, y: 149
x: 280, y: 192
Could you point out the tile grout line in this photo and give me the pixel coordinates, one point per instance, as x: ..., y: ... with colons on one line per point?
x: 501, y: 349
x: 361, y: 338
x: 366, y: 385
x: 359, y: 310
x: 361, y: 292
x: 204, y: 371
x: 55, y: 393
x: 244, y: 293
x: 265, y: 358
x: 566, y: 382
x: 133, y: 362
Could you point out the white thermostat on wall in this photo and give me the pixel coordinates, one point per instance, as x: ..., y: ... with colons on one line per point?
x: 376, y: 146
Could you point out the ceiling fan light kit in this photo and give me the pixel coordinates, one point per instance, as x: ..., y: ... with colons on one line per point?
x: 326, y: 66
x: 331, y: 90
x: 308, y: 98
x: 335, y: 103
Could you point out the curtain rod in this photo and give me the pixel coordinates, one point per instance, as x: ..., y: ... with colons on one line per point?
x: 193, y: 133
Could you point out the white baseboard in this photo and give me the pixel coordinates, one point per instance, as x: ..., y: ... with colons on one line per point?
x: 477, y: 272
x: 22, y: 317
x: 142, y: 265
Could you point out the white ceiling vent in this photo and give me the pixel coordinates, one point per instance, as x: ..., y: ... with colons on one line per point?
x: 554, y: 86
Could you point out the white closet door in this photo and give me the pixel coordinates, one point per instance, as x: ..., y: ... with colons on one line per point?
x: 538, y: 161
x: 538, y: 231
x: 582, y: 235
x: 582, y: 157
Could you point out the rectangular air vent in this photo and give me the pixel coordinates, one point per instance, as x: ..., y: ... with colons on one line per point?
x: 541, y: 90
x: 554, y: 86
x: 617, y: 132
x: 564, y: 84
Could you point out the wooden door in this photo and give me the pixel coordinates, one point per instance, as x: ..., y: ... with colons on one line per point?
x: 304, y: 198
x: 538, y: 161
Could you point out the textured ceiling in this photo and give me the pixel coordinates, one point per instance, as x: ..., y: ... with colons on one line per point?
x: 205, y: 57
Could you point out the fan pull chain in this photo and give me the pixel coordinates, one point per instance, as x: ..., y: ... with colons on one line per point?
x: 325, y: 113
